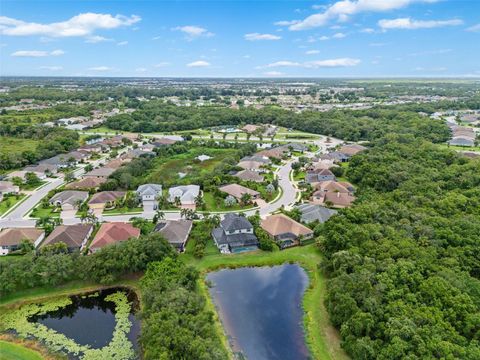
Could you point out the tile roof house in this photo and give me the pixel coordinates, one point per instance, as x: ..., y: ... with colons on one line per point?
x: 257, y: 158
x: 59, y: 161
x: 336, y: 156
x: 10, y: 239
x: 295, y: 146
x: 319, y: 175
x: 163, y: 142
x: 74, y: 236
x: 176, y: 232
x: 45, y: 169
x: 103, y: 172
x: 7, y: 187
x: 311, y: 213
x: 276, y: 152
x: 87, y: 183
x: 186, y: 194
x: 104, y: 199
x: 116, y: 163
x: 284, y: 230
x: 352, y: 149
x: 69, y: 199
x: 251, y: 165
x: 112, y: 233
x: 249, y: 175
x: 249, y: 128
x: 336, y: 194
x: 461, y: 141
x: 237, y: 191
x: 235, y: 234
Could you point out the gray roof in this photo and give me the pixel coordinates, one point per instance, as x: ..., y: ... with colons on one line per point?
x: 69, y: 197
x: 233, y: 222
x: 56, y: 160
x: 149, y: 189
x: 186, y: 193
x: 175, y: 231
x: 462, y: 141
x: 311, y: 213
x: 256, y: 158
x: 234, y: 240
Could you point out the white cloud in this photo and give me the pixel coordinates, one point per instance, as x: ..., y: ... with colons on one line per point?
x: 37, y: 53
x: 323, y: 38
x: 273, y: 73
x: 83, y: 24
x: 161, y: 64
x: 411, y: 24
x: 122, y: 43
x: 199, y: 63
x: 328, y: 63
x: 367, y: 31
x: 434, y: 69
x: 141, y: 70
x: 99, y: 68
x: 339, y: 35
x: 246, y: 56
x: 312, y: 52
x: 94, y: 39
x: 285, y: 22
x: 51, y: 68
x: 344, y: 9
x: 431, y: 52
x: 193, y: 32
x: 377, y: 44
x: 474, y: 28
x: 257, y: 36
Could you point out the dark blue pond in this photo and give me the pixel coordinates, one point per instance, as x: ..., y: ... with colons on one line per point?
x: 261, y: 311
x: 89, y: 319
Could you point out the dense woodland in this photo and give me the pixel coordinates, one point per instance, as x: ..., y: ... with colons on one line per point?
x: 404, y: 262
x: 345, y: 124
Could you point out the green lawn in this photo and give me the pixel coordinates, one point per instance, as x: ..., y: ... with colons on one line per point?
x: 11, y: 351
x: 124, y: 210
x: 217, y: 204
x: 165, y: 170
x: 40, y: 212
x: 460, y: 148
x: 32, y: 187
x: 12, y: 145
x: 8, y: 202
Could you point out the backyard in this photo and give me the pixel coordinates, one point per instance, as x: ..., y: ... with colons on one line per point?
x: 9, y: 202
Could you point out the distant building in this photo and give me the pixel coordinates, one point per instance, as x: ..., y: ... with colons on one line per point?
x: 249, y: 175
x: 237, y: 191
x: 101, y: 173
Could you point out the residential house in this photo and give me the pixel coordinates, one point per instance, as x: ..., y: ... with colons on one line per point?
x: 262, y: 159
x: 335, y: 194
x: 87, y: 183
x: 42, y: 171
x: 59, y: 161
x: 235, y: 234
x: 69, y: 199
x: 114, y: 141
x: 116, y: 163
x: 163, y: 142
x: 78, y: 155
x: 74, y: 236
x: 22, y: 174
x: 249, y: 175
x: 237, y: 191
x: 105, y: 199
x: 250, y: 165
x: 186, y: 194
x: 285, y: 231
x: 336, y: 156
x: 462, y: 141
x: 7, y: 187
x: 102, y: 173
x: 176, y: 232
x: 148, y: 195
x: 93, y: 148
x: 113, y: 233
x: 311, y: 213
x: 319, y: 175
x: 295, y: 146
x: 352, y: 149
x: 10, y: 239
x: 276, y: 152
x: 249, y: 128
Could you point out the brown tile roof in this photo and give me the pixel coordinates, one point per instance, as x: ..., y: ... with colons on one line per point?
x: 106, y: 196
x: 100, y: 172
x: 352, y: 149
x: 274, y: 152
x: 72, y: 235
x: 332, y: 186
x: 14, y: 236
x: 238, y: 190
x: 87, y: 183
x: 280, y: 224
x: 339, y: 199
x: 116, y: 163
x: 249, y: 164
x: 111, y: 233
x: 249, y: 175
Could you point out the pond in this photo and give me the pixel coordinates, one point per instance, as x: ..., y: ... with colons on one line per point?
x: 94, y: 325
x: 261, y: 310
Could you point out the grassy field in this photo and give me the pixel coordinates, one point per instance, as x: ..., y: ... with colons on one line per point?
x: 166, y: 170
x: 11, y: 145
x: 460, y: 148
x: 11, y: 351
x: 8, y: 202
x: 40, y: 212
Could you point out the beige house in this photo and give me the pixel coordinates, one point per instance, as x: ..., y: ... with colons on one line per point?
x: 105, y: 199
x: 284, y: 230
x: 237, y: 191
x: 10, y: 239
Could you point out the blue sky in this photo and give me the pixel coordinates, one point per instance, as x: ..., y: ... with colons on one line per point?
x: 361, y: 38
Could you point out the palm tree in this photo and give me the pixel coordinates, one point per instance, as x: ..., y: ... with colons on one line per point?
x: 246, y: 198
x: 159, y: 215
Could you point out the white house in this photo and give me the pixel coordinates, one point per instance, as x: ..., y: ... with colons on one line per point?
x: 186, y: 194
x: 148, y: 194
